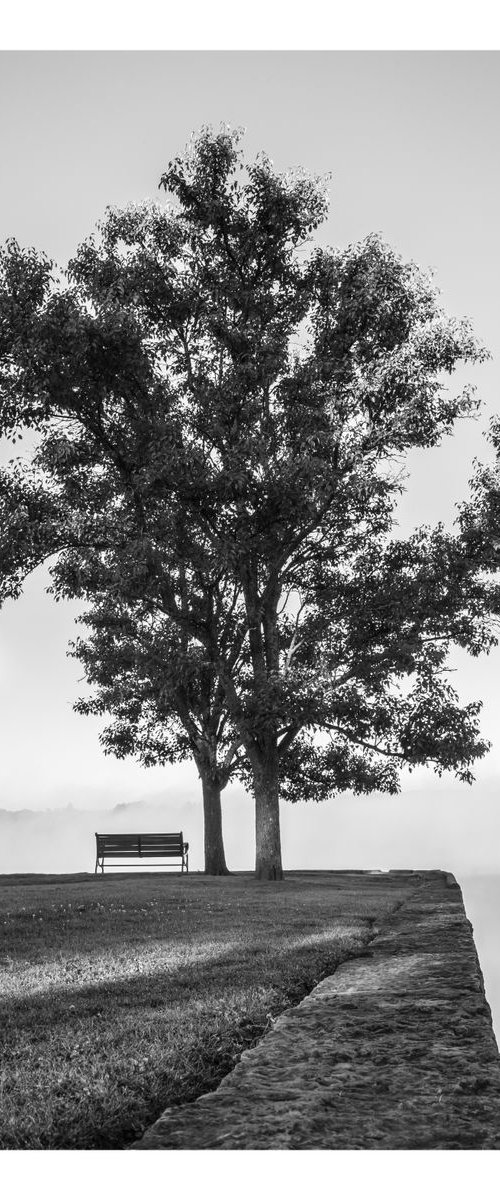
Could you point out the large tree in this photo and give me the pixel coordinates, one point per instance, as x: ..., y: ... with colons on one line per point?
x: 220, y: 404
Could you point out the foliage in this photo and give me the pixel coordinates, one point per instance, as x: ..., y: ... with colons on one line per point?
x: 164, y: 697
x: 480, y: 516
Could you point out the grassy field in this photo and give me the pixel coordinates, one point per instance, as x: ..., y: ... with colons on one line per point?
x: 123, y: 994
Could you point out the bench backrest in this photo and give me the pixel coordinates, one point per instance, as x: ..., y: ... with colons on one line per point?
x: 129, y: 845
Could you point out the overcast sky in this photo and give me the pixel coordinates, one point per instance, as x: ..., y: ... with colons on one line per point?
x: 411, y: 141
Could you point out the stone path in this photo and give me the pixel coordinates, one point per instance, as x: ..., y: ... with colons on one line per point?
x: 394, y: 1051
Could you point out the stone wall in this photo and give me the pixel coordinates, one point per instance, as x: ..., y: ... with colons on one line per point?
x: 394, y: 1051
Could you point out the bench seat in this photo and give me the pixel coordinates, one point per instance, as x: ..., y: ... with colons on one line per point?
x: 141, y: 846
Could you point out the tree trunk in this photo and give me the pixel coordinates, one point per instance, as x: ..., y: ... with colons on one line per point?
x: 215, y: 862
x: 267, y: 816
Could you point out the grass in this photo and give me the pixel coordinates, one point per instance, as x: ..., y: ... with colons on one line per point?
x: 122, y: 995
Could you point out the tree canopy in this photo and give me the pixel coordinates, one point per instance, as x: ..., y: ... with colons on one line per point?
x: 223, y: 410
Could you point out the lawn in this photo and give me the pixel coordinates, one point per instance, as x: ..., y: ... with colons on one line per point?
x: 124, y: 994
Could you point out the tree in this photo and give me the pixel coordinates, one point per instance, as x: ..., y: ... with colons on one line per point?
x: 479, y: 521
x: 220, y: 405
x: 479, y: 517
x: 165, y: 700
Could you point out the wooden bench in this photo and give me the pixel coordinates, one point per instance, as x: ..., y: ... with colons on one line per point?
x: 140, y: 845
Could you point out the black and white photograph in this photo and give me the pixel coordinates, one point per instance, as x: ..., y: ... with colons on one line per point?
x: 249, y: 603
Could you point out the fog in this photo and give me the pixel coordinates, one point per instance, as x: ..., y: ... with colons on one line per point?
x: 446, y: 827
x: 481, y: 895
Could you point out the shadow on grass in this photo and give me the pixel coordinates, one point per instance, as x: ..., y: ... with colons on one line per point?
x: 120, y: 1052
x: 92, y: 1057
x: 169, y: 984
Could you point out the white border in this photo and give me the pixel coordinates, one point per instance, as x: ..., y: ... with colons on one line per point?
x: 257, y: 25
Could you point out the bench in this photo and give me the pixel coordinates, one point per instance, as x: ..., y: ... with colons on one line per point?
x: 140, y: 845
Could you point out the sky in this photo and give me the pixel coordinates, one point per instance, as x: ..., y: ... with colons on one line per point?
x: 410, y: 140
